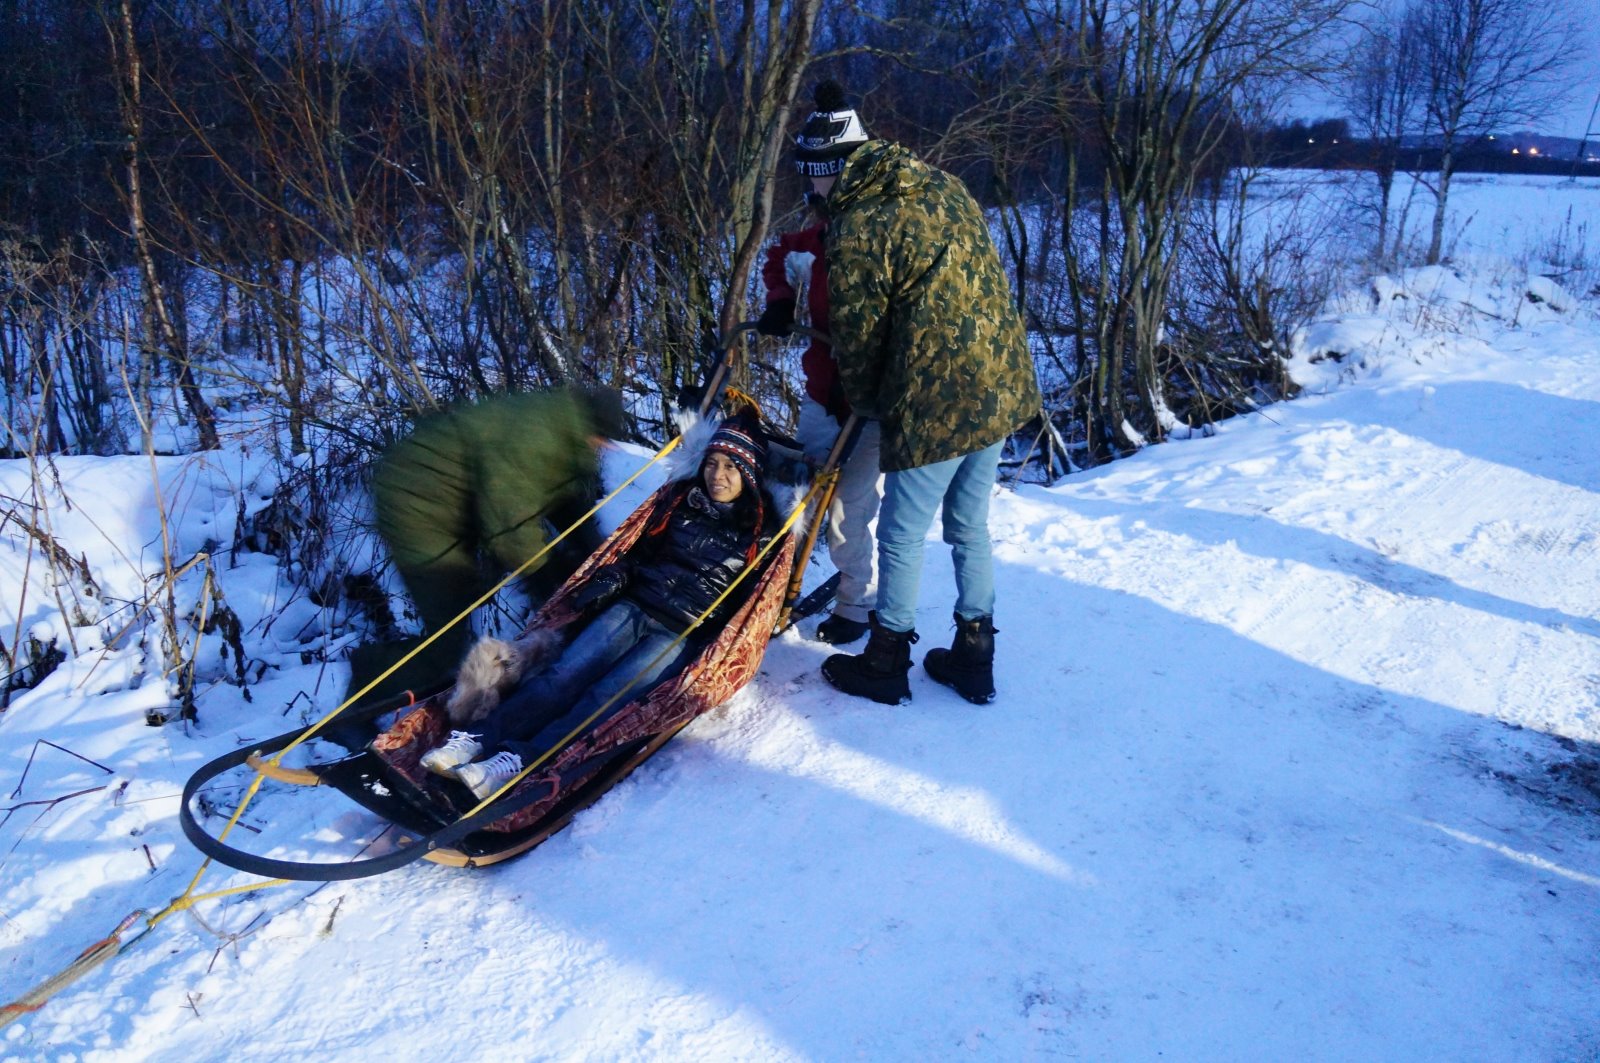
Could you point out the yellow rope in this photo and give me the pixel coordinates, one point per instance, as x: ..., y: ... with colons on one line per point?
x: 188, y: 900
x: 86, y: 961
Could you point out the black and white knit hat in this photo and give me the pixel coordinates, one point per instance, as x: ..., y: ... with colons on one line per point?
x: 831, y: 133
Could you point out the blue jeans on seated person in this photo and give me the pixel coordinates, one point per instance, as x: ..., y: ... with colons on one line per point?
x: 620, y: 645
x: 910, y: 497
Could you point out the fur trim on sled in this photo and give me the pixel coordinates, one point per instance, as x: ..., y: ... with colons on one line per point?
x: 684, y: 462
x: 492, y: 669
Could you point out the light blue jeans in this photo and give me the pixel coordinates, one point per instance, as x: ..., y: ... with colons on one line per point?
x: 598, y: 663
x: 910, y: 497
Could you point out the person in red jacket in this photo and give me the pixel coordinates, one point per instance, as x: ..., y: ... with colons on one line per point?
x: 796, y: 269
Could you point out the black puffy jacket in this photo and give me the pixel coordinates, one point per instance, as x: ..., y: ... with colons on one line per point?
x: 676, y: 572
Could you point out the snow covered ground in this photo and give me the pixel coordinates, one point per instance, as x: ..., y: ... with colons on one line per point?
x: 1296, y: 755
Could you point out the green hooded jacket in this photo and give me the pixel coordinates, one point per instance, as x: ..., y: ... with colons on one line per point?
x: 470, y: 494
x: 922, y: 317
x: 487, y: 479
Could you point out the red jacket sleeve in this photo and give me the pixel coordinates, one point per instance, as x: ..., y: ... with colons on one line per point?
x: 773, y: 274
x: 822, y: 373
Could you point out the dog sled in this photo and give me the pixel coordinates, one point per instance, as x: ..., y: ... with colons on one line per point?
x: 438, y: 819
x: 437, y: 814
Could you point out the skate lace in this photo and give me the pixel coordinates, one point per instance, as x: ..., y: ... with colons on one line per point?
x: 502, y: 764
x: 458, y: 739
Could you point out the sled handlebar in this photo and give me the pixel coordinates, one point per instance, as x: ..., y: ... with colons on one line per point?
x: 725, y: 348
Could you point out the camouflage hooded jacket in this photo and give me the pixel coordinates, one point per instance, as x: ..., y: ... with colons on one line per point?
x: 922, y: 318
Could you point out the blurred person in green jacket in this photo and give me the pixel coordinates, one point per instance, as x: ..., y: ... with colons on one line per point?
x: 472, y: 493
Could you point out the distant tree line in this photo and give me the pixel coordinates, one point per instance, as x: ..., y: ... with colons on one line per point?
x: 1329, y: 144
x: 1454, y: 71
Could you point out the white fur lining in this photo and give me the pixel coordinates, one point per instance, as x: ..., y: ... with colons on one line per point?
x: 684, y: 461
x: 491, y: 669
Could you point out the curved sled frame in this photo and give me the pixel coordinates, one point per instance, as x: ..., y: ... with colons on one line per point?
x: 583, y: 773
x: 438, y: 847
x: 254, y: 756
x: 270, y: 868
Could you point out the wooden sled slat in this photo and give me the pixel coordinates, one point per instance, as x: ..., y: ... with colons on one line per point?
x: 294, y: 776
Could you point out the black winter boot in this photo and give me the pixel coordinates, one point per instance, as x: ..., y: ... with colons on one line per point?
x: 838, y: 630
x: 879, y: 671
x: 968, y: 665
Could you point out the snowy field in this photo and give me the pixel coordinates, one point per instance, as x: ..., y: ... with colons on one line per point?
x: 1296, y: 756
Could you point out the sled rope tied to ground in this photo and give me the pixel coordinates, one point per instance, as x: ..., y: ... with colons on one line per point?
x: 86, y: 961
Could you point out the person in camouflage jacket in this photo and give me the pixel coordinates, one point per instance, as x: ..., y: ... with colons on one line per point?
x: 923, y: 319
x: 472, y: 493
x: 930, y: 343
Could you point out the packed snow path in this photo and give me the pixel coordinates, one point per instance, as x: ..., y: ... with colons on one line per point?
x: 1295, y: 757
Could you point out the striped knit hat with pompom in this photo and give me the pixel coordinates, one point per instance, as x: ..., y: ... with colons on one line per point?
x: 741, y: 439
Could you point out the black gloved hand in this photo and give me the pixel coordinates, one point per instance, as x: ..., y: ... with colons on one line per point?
x: 787, y: 467
x: 777, y: 319
x: 602, y: 588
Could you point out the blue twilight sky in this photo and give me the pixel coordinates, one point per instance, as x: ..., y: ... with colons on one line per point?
x: 1570, y: 119
x: 1574, y: 117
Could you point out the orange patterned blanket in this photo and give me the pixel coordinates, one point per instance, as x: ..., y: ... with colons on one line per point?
x: 725, y: 665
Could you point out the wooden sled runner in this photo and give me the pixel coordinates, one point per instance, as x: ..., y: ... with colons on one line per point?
x: 389, y: 780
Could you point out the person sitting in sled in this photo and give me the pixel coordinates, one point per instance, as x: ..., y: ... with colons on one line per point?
x: 709, y: 529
